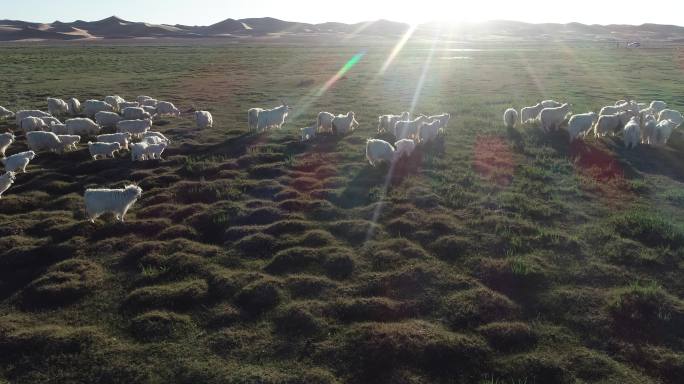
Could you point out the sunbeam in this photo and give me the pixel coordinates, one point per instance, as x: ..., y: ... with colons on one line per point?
x: 345, y: 68
x: 397, y: 48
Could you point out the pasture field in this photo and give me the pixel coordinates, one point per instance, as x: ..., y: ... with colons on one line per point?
x: 492, y: 256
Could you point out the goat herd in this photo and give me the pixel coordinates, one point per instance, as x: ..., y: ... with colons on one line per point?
x: 638, y: 122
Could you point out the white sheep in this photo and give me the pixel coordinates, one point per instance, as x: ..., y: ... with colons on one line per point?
x: 344, y: 124
x: 5, y: 113
x: 611, y: 124
x: 104, y: 150
x: 663, y: 131
x: 21, y: 115
x: 657, y: 106
x: 272, y: 118
x: 550, y: 104
x: 324, y: 122
x: 82, y: 126
x: 18, y: 161
x: 6, y: 139
x: 116, y: 201
x: 107, y: 119
x: 135, y: 113
x: 43, y: 141
x: 632, y: 133
x: 307, y: 133
x: 409, y: 129
x: 154, y: 151
x: 69, y: 142
x: 510, y: 117
x: 378, y: 151
x: 429, y: 131
x: 648, y: 129
x: 581, y: 124
x: 528, y: 114
x: 253, y: 118
x: 672, y: 115
x: 204, y: 119
x: 443, y: 119
x: 141, y: 99
x: 552, y: 118
x: 50, y: 121
x: 150, y: 103
x: 57, y: 106
x: 165, y: 108
x: 620, y: 102
x: 74, y: 106
x: 404, y: 148
x: 128, y: 104
x: 59, y: 129
x: 160, y: 136
x: 6, y: 181
x: 115, y: 101
x: 615, y: 109
x: 122, y: 138
x: 151, y: 111
x: 135, y: 127
x: 91, y: 107
x: 30, y: 124
x: 386, y: 122
x: 139, y: 151
x: 152, y: 140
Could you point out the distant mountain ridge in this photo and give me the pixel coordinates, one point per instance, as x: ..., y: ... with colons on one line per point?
x: 116, y: 28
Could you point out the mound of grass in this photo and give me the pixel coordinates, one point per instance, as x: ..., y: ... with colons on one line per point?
x: 295, y: 259
x: 355, y: 231
x: 258, y: 245
x: 64, y: 282
x: 180, y: 295
x: 373, y: 350
x: 649, y: 228
x: 223, y: 315
x: 259, y: 296
x: 296, y: 320
x: 339, y: 264
x: 515, y: 276
x: 473, y: 307
x: 647, y: 311
x: 160, y: 325
x: 451, y: 247
x: 307, y: 286
x: 506, y: 337
x: 534, y: 368
x: 208, y: 192
x: 378, y: 309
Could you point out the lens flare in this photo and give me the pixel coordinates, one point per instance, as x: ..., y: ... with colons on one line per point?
x: 345, y: 68
x: 397, y: 48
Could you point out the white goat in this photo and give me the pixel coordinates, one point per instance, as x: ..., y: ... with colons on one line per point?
x: 404, y: 148
x: 116, y: 201
x: 157, y: 135
x: 115, y: 101
x: 104, y: 150
x: 74, y: 106
x: 672, y: 115
x: 59, y: 129
x: 663, y: 131
x: 550, y: 104
x: 253, y: 118
x: 57, y: 106
x: 135, y: 127
x: 91, y: 107
x: 154, y: 151
x: 324, y: 122
x: 69, y: 142
x: 82, y: 126
x: 139, y: 151
x: 6, y: 139
x: 632, y: 133
x: 580, y: 124
x: 107, y: 119
x: 409, y: 129
x: 165, y: 108
x: 611, y: 124
x: 43, y: 141
x: 307, y: 133
x: 648, y: 129
x: 510, y: 117
x: 6, y: 181
x: 657, y: 106
x: 128, y: 104
x: 21, y: 115
x: 5, y: 113
x: 135, y: 113
x: 429, y: 131
x: 378, y: 151
x: 443, y: 119
x: 343, y: 124
x: 272, y: 118
x: 552, y: 118
x: 204, y: 119
x: 30, y: 124
x: 18, y: 161
x: 386, y: 122
x: 528, y: 114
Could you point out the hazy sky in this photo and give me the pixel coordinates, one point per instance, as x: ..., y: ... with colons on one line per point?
x: 205, y: 12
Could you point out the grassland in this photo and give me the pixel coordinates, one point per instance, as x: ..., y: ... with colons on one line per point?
x: 493, y: 256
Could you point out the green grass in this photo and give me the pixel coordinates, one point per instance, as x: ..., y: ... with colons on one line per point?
x: 493, y: 256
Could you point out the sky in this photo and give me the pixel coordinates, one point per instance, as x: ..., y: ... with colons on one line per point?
x: 206, y: 12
